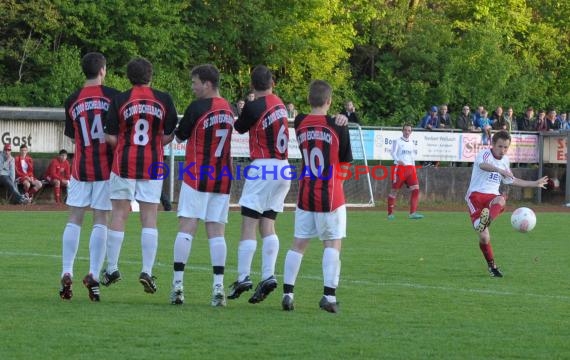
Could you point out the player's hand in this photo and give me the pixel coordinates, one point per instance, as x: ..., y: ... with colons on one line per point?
x: 340, y: 120
x: 542, y: 182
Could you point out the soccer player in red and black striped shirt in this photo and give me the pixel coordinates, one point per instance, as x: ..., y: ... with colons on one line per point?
x: 139, y: 123
x: 204, y: 195
x: 85, y: 110
x: 320, y: 212
x: 266, y: 185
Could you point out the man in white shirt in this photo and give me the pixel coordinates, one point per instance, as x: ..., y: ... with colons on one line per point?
x: 484, y: 200
x: 404, y: 172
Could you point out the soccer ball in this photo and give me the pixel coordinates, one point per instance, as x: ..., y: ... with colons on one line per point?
x: 523, y: 219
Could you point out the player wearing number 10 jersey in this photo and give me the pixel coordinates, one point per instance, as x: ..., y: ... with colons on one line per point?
x: 139, y: 123
x: 85, y: 110
x: 266, y: 185
x: 320, y: 211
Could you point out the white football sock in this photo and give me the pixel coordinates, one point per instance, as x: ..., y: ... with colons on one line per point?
x: 70, y: 243
x: 291, y: 268
x: 331, y: 264
x: 269, y: 256
x: 182, y: 248
x: 114, y: 243
x: 97, y: 245
x: 246, y: 250
x: 149, y: 245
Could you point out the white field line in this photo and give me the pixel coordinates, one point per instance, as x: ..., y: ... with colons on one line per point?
x: 319, y: 278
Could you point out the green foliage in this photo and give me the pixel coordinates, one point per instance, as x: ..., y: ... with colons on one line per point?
x: 393, y: 59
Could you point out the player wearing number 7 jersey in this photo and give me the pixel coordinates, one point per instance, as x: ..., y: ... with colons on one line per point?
x: 204, y: 195
x: 139, y: 123
x: 89, y: 183
x: 320, y: 211
x: 266, y: 185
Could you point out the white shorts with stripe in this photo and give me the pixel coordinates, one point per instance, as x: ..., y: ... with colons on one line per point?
x: 206, y: 206
x: 324, y: 225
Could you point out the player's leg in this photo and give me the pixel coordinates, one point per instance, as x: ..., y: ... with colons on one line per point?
x: 122, y: 192
x: 331, y: 228
x: 487, y: 250
x: 305, y: 229
x: 70, y: 239
x: 413, y: 183
x: 397, y: 182
x: 56, y: 190
x: 497, y: 206
x: 216, y: 219
x: 148, y: 196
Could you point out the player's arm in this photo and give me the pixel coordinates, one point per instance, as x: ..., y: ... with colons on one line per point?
x: 171, y: 120
x: 340, y: 120
x: 186, y: 124
x: 540, y: 183
x: 394, y: 153
x: 111, y: 125
x: 246, y: 120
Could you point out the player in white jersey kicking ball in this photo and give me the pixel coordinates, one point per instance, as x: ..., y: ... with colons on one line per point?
x: 483, y: 198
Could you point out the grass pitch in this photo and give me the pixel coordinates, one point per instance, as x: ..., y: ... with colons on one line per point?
x: 408, y: 290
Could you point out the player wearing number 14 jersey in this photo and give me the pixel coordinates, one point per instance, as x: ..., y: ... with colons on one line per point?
x: 320, y: 211
x: 89, y: 183
x: 266, y: 185
x: 139, y: 123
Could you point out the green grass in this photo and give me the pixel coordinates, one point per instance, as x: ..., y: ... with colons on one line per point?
x: 408, y: 290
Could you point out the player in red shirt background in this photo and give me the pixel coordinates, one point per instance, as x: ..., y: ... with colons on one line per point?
x: 58, y: 174
x: 25, y: 173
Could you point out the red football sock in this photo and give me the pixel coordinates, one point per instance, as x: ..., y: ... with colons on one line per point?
x: 414, y: 200
x: 487, y: 251
x: 57, y: 192
x: 32, y: 191
x: 391, y: 204
x: 496, y: 210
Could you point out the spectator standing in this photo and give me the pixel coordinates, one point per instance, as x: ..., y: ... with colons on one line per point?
x: 564, y: 124
x: 25, y: 173
x: 525, y: 122
x: 498, y: 121
x: 510, y: 120
x: 404, y: 172
x: 291, y: 111
x: 350, y: 112
x: 320, y: 204
x: 263, y: 195
x: 8, y: 175
x: 58, y: 174
x: 465, y: 120
x: 431, y: 120
x: 540, y: 124
x: 485, y: 125
x: 484, y: 201
x: 239, y: 107
x: 89, y: 182
x: 444, y: 118
x: 139, y: 123
x: 552, y: 121
x: 207, y: 124
x: 250, y: 96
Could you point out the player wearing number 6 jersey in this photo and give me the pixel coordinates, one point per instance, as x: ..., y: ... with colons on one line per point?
x: 320, y: 212
x: 89, y: 183
x: 139, y: 123
x: 266, y: 185
x: 207, y: 125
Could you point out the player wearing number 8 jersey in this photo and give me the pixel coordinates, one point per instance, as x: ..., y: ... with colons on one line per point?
x: 139, y: 123
x: 266, y: 185
x: 207, y: 125
x: 89, y: 183
x: 320, y: 212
